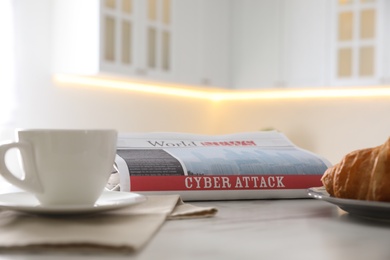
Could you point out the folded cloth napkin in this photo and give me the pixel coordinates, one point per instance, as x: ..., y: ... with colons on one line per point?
x: 122, y: 231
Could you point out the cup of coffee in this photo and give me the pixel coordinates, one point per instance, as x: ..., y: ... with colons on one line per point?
x: 62, y: 167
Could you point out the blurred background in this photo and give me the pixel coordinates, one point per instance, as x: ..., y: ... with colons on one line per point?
x: 318, y: 71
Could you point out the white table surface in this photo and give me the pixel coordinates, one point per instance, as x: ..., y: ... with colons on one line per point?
x: 261, y: 229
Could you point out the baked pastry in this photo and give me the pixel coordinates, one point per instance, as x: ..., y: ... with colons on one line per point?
x: 362, y: 174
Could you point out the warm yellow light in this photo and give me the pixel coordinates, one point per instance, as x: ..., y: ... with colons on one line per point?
x: 134, y: 86
x: 307, y: 93
x: 221, y: 95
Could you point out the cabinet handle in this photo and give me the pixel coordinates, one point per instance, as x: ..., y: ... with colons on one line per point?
x: 205, y: 81
x: 140, y: 71
x: 280, y: 84
x: 385, y: 80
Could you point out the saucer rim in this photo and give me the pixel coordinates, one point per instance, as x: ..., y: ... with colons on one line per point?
x: 363, y: 208
x: 109, y: 200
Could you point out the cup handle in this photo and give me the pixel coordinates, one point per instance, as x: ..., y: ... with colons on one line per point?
x: 31, y: 181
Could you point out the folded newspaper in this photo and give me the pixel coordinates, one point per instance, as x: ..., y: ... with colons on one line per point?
x: 256, y: 165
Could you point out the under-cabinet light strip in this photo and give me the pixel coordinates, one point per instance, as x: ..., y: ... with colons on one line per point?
x: 221, y: 95
x: 133, y: 86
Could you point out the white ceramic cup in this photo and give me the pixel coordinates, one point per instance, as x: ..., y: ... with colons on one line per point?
x: 62, y: 167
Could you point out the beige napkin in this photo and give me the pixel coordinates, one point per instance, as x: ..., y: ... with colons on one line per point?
x: 126, y: 230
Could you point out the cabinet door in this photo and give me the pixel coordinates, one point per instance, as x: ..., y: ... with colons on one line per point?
x: 186, y: 43
x: 215, y: 44
x: 357, y: 42
x: 280, y: 43
x: 118, y: 36
x: 156, y: 38
x: 136, y: 38
x: 305, y: 43
x: 255, y: 39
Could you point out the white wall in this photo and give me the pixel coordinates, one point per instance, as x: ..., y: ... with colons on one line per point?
x: 330, y: 127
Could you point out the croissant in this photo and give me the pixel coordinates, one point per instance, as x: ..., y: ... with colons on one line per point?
x: 363, y: 174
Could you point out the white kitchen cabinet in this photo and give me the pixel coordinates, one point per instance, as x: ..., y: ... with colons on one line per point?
x: 200, y: 42
x: 216, y: 43
x: 305, y: 44
x: 171, y: 41
x: 187, y: 41
x: 85, y: 37
x: 359, y: 41
x: 246, y: 44
x: 255, y: 39
x: 280, y: 43
x: 135, y: 38
x: 126, y: 38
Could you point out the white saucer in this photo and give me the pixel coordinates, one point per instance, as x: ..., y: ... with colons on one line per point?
x: 361, y: 208
x: 109, y: 200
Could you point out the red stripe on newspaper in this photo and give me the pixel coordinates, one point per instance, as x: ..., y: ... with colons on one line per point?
x: 232, y: 182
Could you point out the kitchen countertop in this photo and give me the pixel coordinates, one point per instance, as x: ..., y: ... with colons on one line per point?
x: 262, y: 229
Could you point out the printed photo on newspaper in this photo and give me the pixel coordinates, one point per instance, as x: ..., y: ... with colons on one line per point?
x: 255, y: 165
